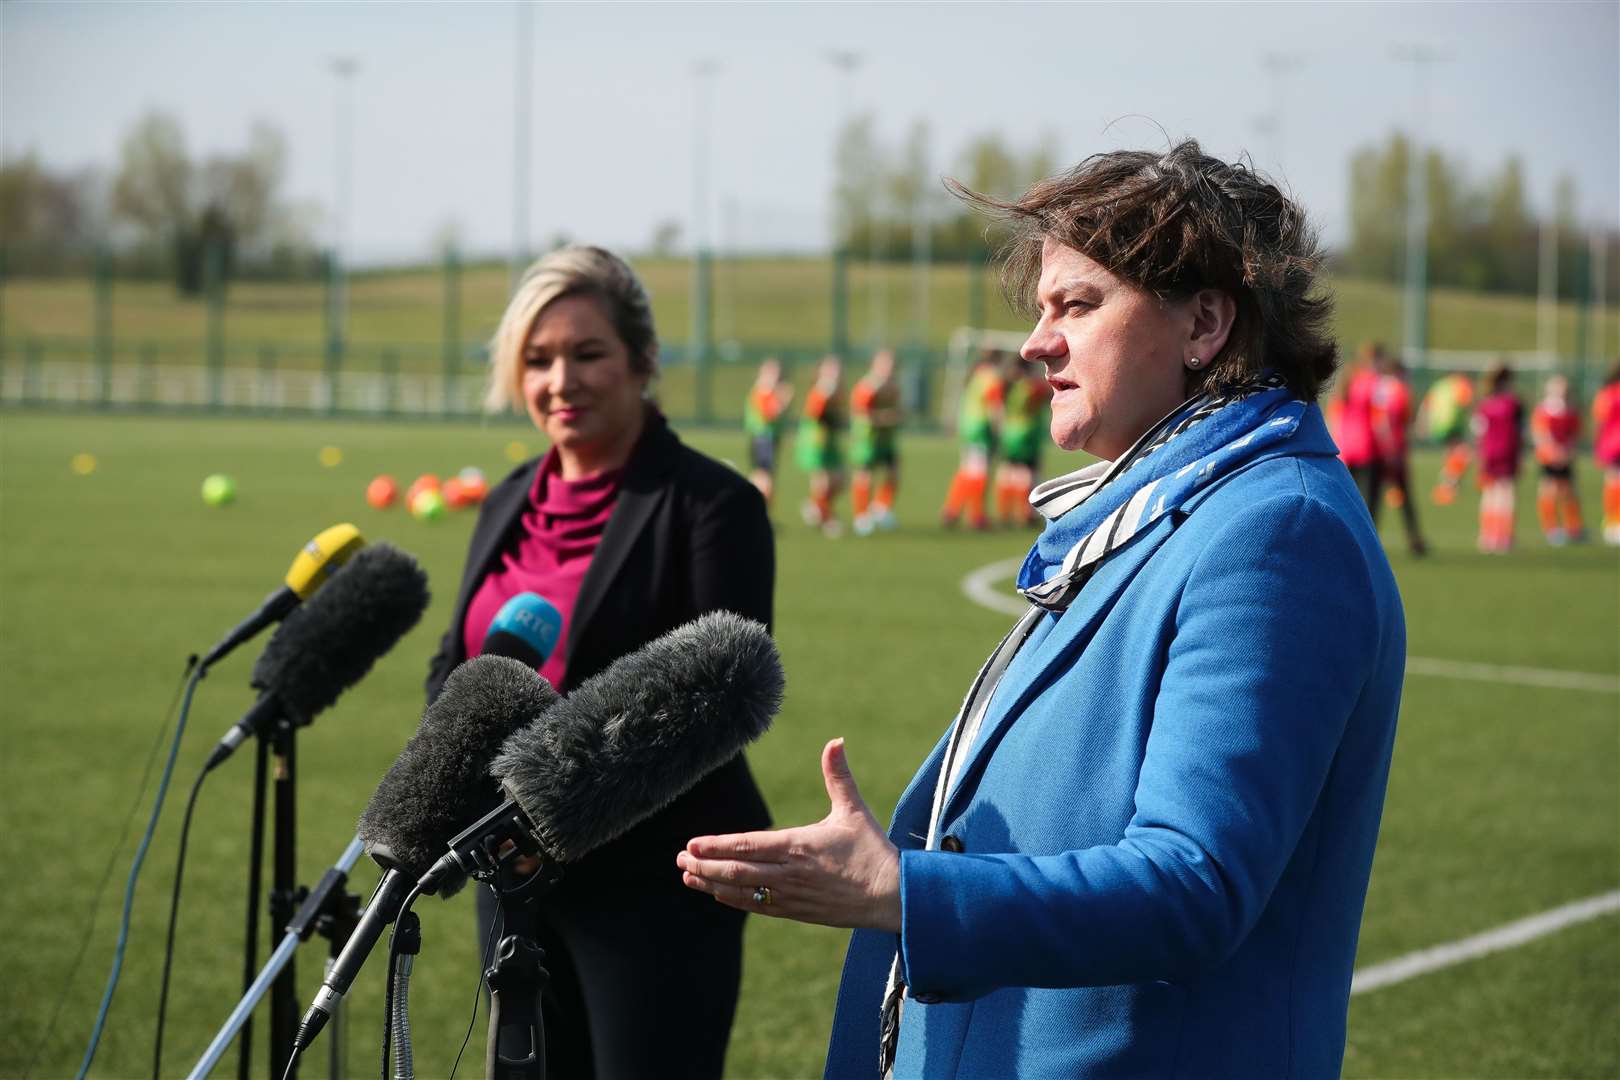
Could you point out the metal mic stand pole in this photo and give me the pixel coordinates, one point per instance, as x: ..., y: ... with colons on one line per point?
x: 329, y: 903
x: 284, y: 896
x: 517, y: 1037
x: 250, y: 947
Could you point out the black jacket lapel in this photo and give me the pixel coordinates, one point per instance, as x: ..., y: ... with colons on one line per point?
x: 640, y: 494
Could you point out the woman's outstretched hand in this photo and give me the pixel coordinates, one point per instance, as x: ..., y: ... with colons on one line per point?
x: 841, y: 871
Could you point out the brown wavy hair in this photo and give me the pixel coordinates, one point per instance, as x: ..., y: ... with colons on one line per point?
x: 1173, y: 224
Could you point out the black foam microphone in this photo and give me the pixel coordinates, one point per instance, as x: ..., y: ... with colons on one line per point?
x: 329, y: 643
x: 439, y: 782
x: 626, y: 743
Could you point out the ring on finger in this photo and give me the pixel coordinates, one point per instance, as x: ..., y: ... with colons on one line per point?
x: 762, y: 896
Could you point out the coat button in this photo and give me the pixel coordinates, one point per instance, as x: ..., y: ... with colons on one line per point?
x: 951, y: 843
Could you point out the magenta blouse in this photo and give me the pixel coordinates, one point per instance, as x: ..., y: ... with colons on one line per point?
x: 560, y: 531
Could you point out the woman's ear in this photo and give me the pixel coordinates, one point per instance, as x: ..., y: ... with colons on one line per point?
x: 1213, y: 311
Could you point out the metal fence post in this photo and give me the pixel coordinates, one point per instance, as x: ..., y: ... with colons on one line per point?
x: 390, y: 374
x: 975, y: 269
x: 214, y: 289
x: 146, y: 386
x: 267, y: 377
x: 103, y: 286
x: 840, y: 301
x: 2, y: 306
x: 31, y: 361
x: 702, y: 332
x: 452, y: 328
x: 334, y: 330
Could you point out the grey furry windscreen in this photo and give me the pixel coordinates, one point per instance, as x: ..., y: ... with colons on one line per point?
x: 630, y: 740
x: 329, y: 642
x: 440, y: 782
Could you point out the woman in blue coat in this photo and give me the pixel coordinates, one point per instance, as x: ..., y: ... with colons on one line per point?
x: 1143, y: 846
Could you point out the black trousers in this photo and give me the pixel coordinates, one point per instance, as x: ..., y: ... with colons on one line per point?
x: 635, y: 992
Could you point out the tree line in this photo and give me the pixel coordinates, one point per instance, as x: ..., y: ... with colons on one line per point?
x: 162, y: 209
x: 1483, y: 233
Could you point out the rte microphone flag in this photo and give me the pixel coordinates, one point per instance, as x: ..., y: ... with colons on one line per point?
x: 526, y: 628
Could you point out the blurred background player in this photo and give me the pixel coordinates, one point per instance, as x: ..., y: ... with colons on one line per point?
x: 1023, y: 430
x: 1499, y: 427
x: 1352, y: 427
x: 874, y: 436
x: 1445, y: 413
x: 1606, y: 448
x: 978, y: 418
x: 1391, y: 419
x: 1554, y: 425
x: 765, y: 418
x: 817, y: 445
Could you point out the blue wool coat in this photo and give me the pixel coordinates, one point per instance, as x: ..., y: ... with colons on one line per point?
x: 1158, y: 847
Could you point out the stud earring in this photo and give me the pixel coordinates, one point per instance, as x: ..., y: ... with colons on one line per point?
x: 1194, y: 362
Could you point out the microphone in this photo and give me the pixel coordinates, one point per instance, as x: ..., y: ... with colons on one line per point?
x: 526, y: 628
x: 625, y: 744
x: 328, y: 644
x: 310, y: 568
x: 439, y: 781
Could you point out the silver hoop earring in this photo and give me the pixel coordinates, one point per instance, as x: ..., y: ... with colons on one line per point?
x: 1194, y: 362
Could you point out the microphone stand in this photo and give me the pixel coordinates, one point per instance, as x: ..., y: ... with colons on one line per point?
x: 284, y: 893
x: 517, y: 1037
x: 330, y: 910
x: 250, y: 948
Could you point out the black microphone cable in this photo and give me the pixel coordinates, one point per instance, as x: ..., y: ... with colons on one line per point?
x: 106, y: 874
x: 194, y: 674
x: 496, y: 926
x: 174, y: 915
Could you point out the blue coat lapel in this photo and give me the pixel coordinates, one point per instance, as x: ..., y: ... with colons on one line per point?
x: 1053, y: 647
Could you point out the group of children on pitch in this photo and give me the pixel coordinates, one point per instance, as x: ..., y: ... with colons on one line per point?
x: 872, y: 418
x: 1372, y: 411
x: 1001, y: 421
x: 1002, y: 412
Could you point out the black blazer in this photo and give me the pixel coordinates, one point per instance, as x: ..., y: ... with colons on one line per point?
x: 687, y: 536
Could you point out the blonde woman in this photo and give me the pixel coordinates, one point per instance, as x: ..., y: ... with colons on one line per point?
x: 630, y: 533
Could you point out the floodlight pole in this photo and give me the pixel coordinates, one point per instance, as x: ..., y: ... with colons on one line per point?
x: 922, y: 242
x: 1547, y: 290
x: 344, y: 68
x: 1276, y: 65
x: 845, y: 62
x: 702, y: 310
x: 1597, y: 279
x: 1417, y: 209
x: 522, y: 95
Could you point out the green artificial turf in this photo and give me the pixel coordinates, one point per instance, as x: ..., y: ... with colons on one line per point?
x: 1504, y: 800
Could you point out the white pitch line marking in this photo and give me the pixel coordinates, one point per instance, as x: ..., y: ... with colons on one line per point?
x: 980, y: 586
x: 1549, y: 678
x: 1507, y: 936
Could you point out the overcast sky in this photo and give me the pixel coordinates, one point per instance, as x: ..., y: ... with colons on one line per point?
x: 614, y: 98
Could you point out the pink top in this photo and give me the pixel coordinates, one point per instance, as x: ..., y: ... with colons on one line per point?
x: 1499, y: 420
x: 1355, y: 435
x: 561, y: 529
